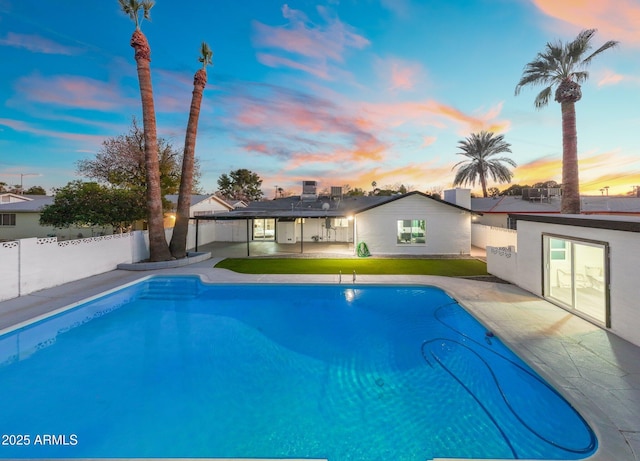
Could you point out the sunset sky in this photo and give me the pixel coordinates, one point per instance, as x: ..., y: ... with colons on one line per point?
x: 337, y: 91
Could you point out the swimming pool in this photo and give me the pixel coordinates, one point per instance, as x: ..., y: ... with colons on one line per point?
x: 171, y: 367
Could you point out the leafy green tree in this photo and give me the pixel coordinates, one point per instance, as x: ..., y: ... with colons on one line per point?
x: 35, y: 190
x: 515, y: 189
x: 158, y: 246
x: 178, y: 245
x: 93, y: 205
x: 562, y: 65
x: 493, y: 192
x: 547, y: 184
x: 481, y: 164
x: 240, y: 184
x: 355, y: 192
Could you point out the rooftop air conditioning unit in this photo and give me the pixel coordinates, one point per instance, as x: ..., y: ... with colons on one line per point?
x: 309, y: 191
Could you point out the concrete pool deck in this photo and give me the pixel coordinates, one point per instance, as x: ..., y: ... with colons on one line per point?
x: 596, y: 371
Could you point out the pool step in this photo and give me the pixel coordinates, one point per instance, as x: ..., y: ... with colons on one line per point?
x: 171, y: 290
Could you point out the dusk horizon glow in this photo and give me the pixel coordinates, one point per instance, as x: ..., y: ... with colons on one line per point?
x: 342, y: 92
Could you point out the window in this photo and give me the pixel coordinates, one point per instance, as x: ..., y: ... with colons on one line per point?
x: 558, y: 249
x: 411, y: 231
x: 7, y: 219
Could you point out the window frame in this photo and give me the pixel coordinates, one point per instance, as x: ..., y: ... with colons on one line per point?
x: 417, y: 232
x: 11, y: 218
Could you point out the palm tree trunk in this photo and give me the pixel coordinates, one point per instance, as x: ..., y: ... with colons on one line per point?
x: 570, y: 178
x: 483, y: 183
x: 158, y: 248
x: 178, y: 244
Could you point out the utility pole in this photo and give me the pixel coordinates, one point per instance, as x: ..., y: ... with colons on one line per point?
x: 22, y: 175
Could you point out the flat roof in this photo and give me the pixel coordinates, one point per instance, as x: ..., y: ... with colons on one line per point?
x: 612, y: 222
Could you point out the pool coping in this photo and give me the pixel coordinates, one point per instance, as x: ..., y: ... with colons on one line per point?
x: 595, y: 371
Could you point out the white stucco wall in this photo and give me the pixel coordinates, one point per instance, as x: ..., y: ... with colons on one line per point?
x: 503, y: 263
x: 448, y: 229
x: 47, y: 263
x: 624, y: 250
x: 9, y: 272
x: 484, y: 236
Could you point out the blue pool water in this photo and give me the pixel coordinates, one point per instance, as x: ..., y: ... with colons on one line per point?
x: 171, y: 367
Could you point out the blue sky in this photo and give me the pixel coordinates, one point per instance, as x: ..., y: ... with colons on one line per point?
x: 337, y: 91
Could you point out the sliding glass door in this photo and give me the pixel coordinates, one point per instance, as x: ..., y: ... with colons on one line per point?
x: 264, y: 229
x: 576, y: 276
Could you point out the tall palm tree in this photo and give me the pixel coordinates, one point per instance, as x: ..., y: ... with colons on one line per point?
x: 178, y: 244
x: 562, y: 65
x: 480, y: 148
x: 158, y: 247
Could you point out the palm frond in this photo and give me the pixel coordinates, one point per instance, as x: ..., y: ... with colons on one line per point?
x: 206, y: 55
x: 606, y: 46
x: 132, y: 9
x: 558, y: 62
x: 480, y: 150
x: 543, y: 98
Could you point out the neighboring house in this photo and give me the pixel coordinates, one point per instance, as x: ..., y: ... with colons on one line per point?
x: 585, y: 264
x: 21, y: 219
x: 412, y: 223
x: 20, y: 216
x: 10, y: 197
x: 496, y: 210
x: 201, y: 205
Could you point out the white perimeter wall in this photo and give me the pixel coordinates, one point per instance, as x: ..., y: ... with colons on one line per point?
x: 33, y: 264
x: 483, y: 236
x: 448, y: 229
x: 624, y: 250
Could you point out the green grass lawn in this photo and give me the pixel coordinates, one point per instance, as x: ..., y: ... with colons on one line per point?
x: 413, y: 266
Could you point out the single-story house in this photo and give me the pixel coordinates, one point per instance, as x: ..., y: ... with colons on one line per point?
x: 21, y: 219
x: 405, y: 224
x: 201, y: 205
x: 495, y: 211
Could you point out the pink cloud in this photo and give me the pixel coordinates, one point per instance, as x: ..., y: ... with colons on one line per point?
x: 302, y: 129
x: 401, y: 75
x: 436, y: 114
x: 610, y: 78
x: 428, y: 140
x: 302, y: 40
x: 37, y: 44
x: 614, y: 19
x: 72, y: 91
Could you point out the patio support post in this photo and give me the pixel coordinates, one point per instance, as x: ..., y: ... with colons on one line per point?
x: 248, y: 237
x: 197, y: 226
x: 301, y: 235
